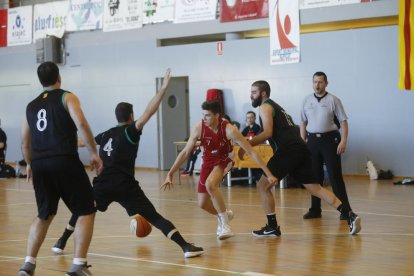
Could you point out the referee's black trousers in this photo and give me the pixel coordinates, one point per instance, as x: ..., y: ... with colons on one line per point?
x: 323, y: 148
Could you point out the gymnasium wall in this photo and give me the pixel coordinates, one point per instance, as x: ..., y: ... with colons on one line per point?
x: 105, y: 68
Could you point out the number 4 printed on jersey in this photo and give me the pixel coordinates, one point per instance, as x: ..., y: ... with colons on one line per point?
x: 108, y: 147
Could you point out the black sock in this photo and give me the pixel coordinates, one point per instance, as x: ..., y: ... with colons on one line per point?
x: 66, y: 234
x: 344, y: 210
x: 271, y: 220
x: 178, y: 239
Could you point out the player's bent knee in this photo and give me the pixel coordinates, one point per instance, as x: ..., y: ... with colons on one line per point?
x: 314, y: 189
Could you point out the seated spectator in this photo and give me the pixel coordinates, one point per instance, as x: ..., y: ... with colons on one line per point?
x: 251, y: 129
x: 3, y: 145
x: 191, y: 161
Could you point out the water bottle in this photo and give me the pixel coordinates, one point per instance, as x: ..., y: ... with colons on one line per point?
x: 17, y: 169
x: 371, y: 170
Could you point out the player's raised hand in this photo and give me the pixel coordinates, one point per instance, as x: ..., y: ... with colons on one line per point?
x: 167, y: 78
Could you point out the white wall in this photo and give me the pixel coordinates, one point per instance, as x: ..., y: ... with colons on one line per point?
x: 105, y: 68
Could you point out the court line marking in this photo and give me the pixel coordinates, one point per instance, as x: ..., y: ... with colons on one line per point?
x: 163, y: 263
x: 13, y: 258
x: 17, y: 204
x: 283, y: 207
x: 233, y: 204
x: 249, y: 273
x: 250, y: 205
x: 303, y: 234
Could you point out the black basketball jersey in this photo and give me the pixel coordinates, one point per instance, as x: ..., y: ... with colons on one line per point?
x: 53, y: 131
x: 118, y: 148
x: 285, y: 132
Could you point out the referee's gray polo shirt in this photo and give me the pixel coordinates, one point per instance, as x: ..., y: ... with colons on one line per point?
x: 319, y: 116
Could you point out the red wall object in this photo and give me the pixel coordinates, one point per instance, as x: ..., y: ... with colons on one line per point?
x: 216, y: 94
x: 3, y: 28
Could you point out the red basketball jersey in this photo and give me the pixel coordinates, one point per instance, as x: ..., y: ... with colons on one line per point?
x: 216, y: 145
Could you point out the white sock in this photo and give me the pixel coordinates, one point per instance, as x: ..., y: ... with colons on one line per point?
x: 70, y: 227
x: 79, y: 261
x: 224, y: 218
x: 171, y: 233
x: 31, y: 260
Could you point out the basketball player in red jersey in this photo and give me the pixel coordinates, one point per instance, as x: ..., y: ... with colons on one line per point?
x: 216, y: 135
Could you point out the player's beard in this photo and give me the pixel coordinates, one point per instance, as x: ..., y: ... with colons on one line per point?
x: 257, y: 102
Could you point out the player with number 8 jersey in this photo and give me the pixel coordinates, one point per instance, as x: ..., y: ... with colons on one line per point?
x: 49, y: 146
x: 54, y: 132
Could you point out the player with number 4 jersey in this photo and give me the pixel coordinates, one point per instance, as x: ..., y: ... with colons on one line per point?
x: 118, y: 150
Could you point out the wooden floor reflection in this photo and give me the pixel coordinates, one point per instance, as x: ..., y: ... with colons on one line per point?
x: 323, y: 246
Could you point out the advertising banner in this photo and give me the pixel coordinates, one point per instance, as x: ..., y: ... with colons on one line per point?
x: 406, y: 45
x: 284, y: 32
x: 19, y: 26
x: 84, y: 15
x: 237, y: 10
x: 308, y: 4
x: 49, y: 19
x: 3, y: 28
x: 195, y: 10
x: 158, y: 11
x: 122, y: 15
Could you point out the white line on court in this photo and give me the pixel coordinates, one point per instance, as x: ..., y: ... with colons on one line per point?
x: 12, y: 258
x: 17, y: 204
x: 285, y: 234
x: 248, y: 273
x: 283, y: 207
x: 236, y: 204
x: 18, y: 190
x: 164, y: 263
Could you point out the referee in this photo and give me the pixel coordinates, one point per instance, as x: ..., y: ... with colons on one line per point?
x: 321, y: 117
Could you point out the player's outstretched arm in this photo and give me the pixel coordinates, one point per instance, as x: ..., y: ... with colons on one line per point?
x: 182, y: 156
x: 237, y: 137
x: 155, y: 102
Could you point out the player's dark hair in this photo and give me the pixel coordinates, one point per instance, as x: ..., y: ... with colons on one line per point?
x: 123, y: 111
x: 251, y: 112
x: 212, y: 106
x: 227, y: 117
x: 320, y: 74
x: 236, y: 124
x: 48, y: 73
x: 263, y: 86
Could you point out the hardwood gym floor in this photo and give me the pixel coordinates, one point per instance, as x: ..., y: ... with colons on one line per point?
x: 385, y: 246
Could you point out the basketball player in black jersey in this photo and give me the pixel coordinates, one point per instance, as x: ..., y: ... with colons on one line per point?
x: 118, y: 150
x: 49, y: 145
x: 291, y: 156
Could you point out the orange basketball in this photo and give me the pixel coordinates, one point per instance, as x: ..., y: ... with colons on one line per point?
x: 140, y: 226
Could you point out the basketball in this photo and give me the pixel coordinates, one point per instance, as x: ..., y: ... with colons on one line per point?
x: 140, y: 227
